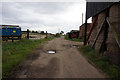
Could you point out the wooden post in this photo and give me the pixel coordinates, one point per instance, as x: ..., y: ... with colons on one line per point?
x: 92, y: 27
x: 115, y: 33
x: 104, y: 45
x: 99, y: 31
x: 46, y: 34
x: 12, y: 37
x: 6, y: 39
x: 28, y: 33
x: 85, y: 32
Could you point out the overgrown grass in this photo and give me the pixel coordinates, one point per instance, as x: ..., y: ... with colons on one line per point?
x: 101, y: 62
x: 74, y: 39
x: 14, y: 53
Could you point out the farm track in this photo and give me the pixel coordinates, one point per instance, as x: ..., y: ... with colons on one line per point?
x: 67, y: 62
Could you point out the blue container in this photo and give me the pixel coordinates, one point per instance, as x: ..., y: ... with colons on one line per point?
x: 9, y: 31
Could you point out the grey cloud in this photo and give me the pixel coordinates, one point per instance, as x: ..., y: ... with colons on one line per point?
x: 13, y: 10
x: 40, y: 7
x: 9, y: 10
x: 34, y: 14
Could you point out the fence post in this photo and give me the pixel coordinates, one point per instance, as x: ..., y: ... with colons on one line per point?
x: 28, y: 33
x: 6, y: 39
x: 12, y: 38
x: 46, y: 34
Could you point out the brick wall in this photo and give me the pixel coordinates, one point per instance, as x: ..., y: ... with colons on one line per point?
x: 82, y: 29
x: 112, y: 48
x: 94, y: 33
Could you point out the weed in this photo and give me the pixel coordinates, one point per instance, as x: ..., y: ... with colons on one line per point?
x: 101, y: 62
x: 74, y: 39
x: 14, y: 53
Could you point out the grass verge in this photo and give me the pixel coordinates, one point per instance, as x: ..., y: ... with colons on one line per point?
x: 102, y: 62
x: 14, y: 53
x: 74, y: 39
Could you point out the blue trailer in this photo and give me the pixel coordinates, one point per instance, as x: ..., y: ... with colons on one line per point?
x: 9, y: 31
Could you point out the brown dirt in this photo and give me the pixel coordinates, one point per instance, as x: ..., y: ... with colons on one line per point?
x: 67, y: 62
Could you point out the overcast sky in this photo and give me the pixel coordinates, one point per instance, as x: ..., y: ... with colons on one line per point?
x: 44, y: 16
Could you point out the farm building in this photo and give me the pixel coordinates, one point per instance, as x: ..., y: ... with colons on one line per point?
x: 82, y: 29
x: 104, y: 35
x: 9, y: 25
x: 9, y: 31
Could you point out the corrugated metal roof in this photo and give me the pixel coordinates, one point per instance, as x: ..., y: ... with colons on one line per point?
x: 9, y: 26
x: 93, y: 8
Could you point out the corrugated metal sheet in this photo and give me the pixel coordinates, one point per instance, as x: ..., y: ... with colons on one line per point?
x: 93, y: 8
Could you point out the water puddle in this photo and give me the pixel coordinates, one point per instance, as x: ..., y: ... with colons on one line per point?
x: 51, y: 51
x: 74, y: 46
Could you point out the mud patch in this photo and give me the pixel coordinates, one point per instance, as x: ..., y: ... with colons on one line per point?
x: 74, y: 46
x: 39, y: 48
x: 33, y: 56
x: 44, y: 71
x: 21, y: 69
x: 65, y: 45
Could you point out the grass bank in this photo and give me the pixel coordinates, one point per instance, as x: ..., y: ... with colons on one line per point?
x: 74, y: 39
x: 14, y: 53
x: 101, y: 62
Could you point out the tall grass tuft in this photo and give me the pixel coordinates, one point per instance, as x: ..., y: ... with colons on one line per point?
x: 101, y: 62
x: 14, y: 53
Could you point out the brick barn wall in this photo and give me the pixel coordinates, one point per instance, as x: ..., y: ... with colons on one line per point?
x: 97, y: 26
x: 82, y: 30
x: 112, y: 50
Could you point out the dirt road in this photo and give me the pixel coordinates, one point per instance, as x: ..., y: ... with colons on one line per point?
x: 67, y: 62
